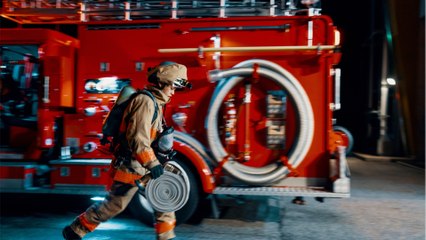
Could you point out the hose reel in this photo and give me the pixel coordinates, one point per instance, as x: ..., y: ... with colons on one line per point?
x: 170, y: 191
x: 303, y: 140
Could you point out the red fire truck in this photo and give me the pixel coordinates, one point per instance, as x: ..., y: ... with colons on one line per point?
x: 258, y: 120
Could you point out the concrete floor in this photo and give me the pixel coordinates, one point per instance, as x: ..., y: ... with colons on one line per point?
x: 387, y: 202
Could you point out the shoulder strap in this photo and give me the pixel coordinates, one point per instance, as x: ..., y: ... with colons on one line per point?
x: 148, y: 93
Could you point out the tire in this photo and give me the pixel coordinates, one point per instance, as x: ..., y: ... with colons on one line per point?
x: 348, y: 138
x: 141, y: 209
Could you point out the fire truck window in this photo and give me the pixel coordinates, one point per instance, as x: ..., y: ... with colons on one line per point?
x: 19, y: 75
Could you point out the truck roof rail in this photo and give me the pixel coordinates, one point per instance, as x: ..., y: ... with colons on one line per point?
x: 71, y: 11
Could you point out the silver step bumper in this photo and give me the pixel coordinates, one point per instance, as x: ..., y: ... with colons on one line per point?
x: 279, y: 191
x: 339, y: 183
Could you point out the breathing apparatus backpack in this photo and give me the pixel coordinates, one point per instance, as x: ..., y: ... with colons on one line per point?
x: 112, y: 122
x: 163, y: 145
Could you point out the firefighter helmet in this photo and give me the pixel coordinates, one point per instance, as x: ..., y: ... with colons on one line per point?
x: 169, y: 73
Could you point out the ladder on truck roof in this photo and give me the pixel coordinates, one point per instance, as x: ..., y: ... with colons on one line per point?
x: 71, y: 11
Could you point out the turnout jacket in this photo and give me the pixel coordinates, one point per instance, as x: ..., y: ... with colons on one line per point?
x: 140, y: 131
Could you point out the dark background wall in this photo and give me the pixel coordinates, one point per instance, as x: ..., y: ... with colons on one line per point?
x: 364, y: 25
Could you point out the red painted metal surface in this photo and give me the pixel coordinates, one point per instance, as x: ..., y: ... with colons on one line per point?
x: 197, y: 161
x: 122, y: 48
x: 84, y: 174
x: 15, y: 171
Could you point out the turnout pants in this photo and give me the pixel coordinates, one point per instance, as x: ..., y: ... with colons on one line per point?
x: 115, y: 202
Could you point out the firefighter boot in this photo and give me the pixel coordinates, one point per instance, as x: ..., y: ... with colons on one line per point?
x: 69, y: 234
x: 164, y: 226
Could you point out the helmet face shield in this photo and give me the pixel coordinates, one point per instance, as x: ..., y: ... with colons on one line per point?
x: 180, y: 83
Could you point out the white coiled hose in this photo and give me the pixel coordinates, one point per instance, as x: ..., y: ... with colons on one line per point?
x: 170, y: 191
x: 229, y: 79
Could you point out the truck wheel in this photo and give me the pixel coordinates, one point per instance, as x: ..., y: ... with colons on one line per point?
x: 141, y: 209
x: 346, y: 136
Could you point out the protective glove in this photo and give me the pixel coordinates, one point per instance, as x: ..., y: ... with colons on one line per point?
x: 157, y: 171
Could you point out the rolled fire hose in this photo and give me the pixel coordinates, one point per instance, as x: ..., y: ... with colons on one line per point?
x: 170, y: 191
x: 231, y: 77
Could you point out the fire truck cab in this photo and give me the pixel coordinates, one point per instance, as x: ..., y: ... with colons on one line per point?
x: 257, y: 121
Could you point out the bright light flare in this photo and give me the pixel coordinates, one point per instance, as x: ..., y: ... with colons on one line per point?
x: 391, y: 81
x: 97, y: 198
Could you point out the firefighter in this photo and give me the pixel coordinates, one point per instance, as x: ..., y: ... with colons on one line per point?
x: 139, y: 130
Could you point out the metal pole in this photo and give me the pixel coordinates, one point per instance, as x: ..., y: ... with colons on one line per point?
x: 247, y: 100
x: 245, y: 49
x: 83, y: 12
x: 310, y: 27
x: 383, y: 141
x: 222, y: 9
x: 174, y: 9
x: 127, y: 11
x: 272, y: 8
